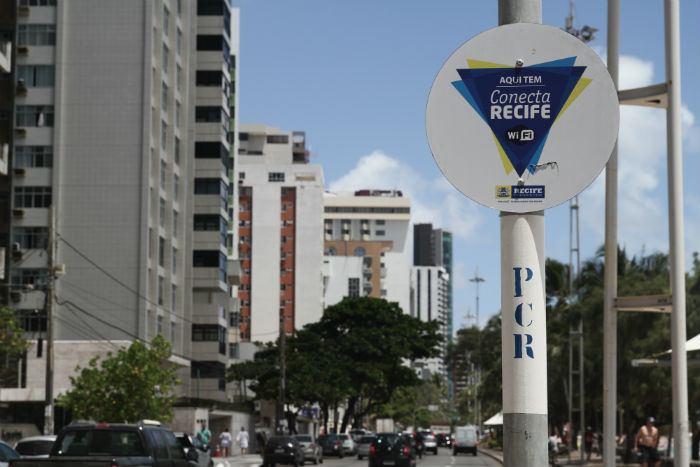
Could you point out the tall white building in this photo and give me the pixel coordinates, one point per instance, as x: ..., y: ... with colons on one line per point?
x: 122, y: 123
x: 429, y: 297
x: 280, y: 232
x: 372, y: 225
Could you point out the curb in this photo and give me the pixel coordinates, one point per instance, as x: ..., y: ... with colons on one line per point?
x: 492, y: 455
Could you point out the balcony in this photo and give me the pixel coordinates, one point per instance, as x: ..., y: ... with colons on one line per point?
x: 233, y: 271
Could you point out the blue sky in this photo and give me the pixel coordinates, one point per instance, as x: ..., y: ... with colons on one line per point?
x: 355, y: 76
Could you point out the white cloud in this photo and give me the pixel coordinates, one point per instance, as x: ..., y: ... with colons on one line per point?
x: 460, y: 277
x: 432, y: 200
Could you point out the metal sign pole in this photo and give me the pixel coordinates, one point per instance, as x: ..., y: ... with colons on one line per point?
x: 523, y: 320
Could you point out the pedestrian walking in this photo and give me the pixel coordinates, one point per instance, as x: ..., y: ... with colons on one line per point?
x: 225, y: 441
x: 648, y: 439
x: 204, y: 435
x: 588, y: 442
x: 242, y: 440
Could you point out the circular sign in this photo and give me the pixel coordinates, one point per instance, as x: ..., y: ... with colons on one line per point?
x: 522, y: 117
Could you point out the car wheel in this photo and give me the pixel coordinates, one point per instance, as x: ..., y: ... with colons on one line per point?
x: 359, y: 457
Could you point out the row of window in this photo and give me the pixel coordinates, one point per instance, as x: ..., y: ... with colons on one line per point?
x: 367, y: 209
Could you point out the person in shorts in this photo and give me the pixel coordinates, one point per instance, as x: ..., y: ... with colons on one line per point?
x: 647, y: 439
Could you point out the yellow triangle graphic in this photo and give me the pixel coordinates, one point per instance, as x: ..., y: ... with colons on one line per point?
x: 578, y: 89
x: 504, y: 158
x: 481, y: 64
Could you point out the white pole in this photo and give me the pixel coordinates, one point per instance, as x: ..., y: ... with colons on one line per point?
x: 524, y: 340
x: 675, y: 217
x: 523, y: 315
x: 610, y: 275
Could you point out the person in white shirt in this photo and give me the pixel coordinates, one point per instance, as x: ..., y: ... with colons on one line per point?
x: 225, y: 441
x: 242, y: 440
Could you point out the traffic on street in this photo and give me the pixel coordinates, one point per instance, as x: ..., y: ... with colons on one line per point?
x: 444, y: 458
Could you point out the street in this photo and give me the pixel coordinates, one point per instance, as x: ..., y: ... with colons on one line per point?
x: 443, y: 459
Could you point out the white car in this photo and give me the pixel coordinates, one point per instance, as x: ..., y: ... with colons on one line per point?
x: 348, y: 443
x: 7, y: 454
x: 35, y: 447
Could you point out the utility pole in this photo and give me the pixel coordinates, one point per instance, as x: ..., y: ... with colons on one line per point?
x: 477, y: 404
x: 283, y: 372
x: 48, y: 394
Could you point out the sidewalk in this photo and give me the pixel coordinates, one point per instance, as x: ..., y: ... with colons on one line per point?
x: 249, y: 460
x: 596, y: 460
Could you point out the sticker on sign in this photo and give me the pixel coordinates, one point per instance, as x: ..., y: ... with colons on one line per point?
x: 522, y: 117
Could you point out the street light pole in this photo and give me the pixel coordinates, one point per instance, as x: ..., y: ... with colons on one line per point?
x: 477, y: 404
x: 48, y: 394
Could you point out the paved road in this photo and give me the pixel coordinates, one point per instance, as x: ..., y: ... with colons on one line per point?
x: 443, y: 459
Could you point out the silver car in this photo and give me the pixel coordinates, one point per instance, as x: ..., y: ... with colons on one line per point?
x: 35, y: 447
x: 363, y: 445
x: 312, y: 450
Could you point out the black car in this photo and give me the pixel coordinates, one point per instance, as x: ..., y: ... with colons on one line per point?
x: 332, y: 445
x: 444, y: 440
x: 283, y: 450
x: 393, y: 449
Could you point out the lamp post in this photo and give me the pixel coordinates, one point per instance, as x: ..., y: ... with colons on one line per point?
x: 477, y: 405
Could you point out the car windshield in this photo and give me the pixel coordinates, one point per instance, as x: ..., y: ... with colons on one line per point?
x: 389, y: 439
x: 100, y: 443
x: 304, y: 438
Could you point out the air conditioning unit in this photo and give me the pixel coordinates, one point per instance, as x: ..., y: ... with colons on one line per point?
x: 22, y: 50
x: 19, y: 171
x: 18, y: 213
x: 23, y: 10
x: 20, y: 132
x: 17, y: 254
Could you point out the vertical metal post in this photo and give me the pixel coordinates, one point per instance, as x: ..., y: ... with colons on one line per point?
x: 477, y: 403
x: 610, y: 274
x: 581, y: 394
x: 675, y: 217
x: 48, y: 391
x: 522, y: 264
x: 524, y: 335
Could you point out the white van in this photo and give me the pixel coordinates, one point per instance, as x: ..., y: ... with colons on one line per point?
x: 466, y: 439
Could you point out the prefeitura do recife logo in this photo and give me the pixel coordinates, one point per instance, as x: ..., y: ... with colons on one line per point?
x: 521, y: 104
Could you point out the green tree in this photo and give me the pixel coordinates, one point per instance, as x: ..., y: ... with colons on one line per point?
x: 12, y: 346
x: 136, y: 383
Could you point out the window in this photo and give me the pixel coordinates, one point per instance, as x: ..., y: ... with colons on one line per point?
x: 359, y: 251
x: 380, y: 233
x: 275, y: 176
x: 162, y: 174
x: 161, y: 251
x: 23, y: 277
x: 233, y: 350
x: 178, y: 76
x: 159, y: 328
x: 36, y: 34
x: 173, y: 296
x: 160, y: 297
x: 353, y: 287
x: 177, y: 113
x: 205, y: 258
x: 210, y: 150
x: 40, y: 76
x: 164, y: 98
x: 172, y: 324
x: 210, y: 42
x: 161, y: 212
x: 33, y: 156
x: 166, y: 51
x: 179, y: 7
x: 278, y: 139
x: 32, y: 196
x: 211, y: 222
x: 176, y: 186
x: 37, y: 2
x: 34, y: 116
x: 210, y: 114
x: 209, y: 186
x: 173, y: 261
x: 31, y: 237
x: 178, y: 47
x: 210, y: 78
x: 175, y: 222
x: 176, y: 151
x: 163, y: 134
x: 380, y: 222
x: 166, y: 20
x: 205, y: 332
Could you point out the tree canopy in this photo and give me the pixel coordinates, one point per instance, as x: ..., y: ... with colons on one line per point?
x: 354, y: 355
x: 135, y: 383
x: 12, y: 346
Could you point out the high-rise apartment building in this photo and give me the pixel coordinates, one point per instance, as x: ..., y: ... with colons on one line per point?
x: 124, y: 123
x: 433, y: 247
x: 372, y: 225
x: 429, y: 285
x: 280, y: 233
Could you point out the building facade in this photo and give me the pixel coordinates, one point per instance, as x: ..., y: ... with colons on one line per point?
x: 429, y: 285
x: 123, y: 136
x: 372, y: 225
x: 280, y: 233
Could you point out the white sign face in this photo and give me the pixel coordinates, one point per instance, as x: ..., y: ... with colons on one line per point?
x: 522, y: 117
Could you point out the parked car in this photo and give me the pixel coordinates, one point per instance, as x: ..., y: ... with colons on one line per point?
x: 35, y: 447
x: 430, y: 444
x: 364, y: 444
x: 283, y: 450
x: 358, y: 433
x: 312, y: 450
x: 466, y: 440
x: 332, y: 445
x: 7, y: 454
x: 187, y: 441
x: 348, y: 443
x: 394, y: 449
